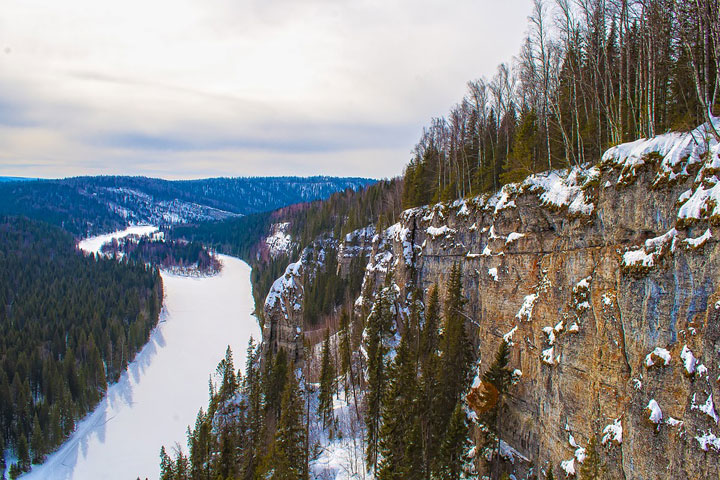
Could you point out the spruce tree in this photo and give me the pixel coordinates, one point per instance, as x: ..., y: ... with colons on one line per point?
x: 379, y: 331
x: 429, y: 331
x: 327, y: 380
x: 253, y: 394
x: 23, y: 453
x: 274, y: 381
x: 456, y: 355
x: 166, y: 465
x: 400, y: 440
x: 496, y: 382
x: 288, y: 454
x: 37, y: 442
x: 344, y: 334
x: 453, y: 460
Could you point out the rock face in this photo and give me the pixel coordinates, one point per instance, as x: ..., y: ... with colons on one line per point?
x: 605, y: 281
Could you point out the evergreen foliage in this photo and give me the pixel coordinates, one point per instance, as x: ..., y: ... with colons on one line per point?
x: 327, y: 384
x: 380, y: 329
x: 400, y: 442
x: 70, y: 324
x: 288, y: 453
x: 454, y: 452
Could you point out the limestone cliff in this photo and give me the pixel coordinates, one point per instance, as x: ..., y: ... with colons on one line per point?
x: 604, y: 279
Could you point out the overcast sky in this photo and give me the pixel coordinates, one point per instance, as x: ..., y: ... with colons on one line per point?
x: 200, y: 88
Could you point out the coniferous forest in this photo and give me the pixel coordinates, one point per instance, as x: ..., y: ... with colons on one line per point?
x: 70, y: 325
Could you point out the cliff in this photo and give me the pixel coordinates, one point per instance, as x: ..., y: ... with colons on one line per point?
x: 603, y: 278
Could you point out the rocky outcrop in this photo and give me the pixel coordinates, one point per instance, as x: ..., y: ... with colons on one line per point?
x: 604, y: 279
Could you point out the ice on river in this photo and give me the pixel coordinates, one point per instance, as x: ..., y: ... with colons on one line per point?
x: 163, y: 389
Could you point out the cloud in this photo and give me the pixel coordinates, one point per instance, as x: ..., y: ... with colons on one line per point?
x: 190, y: 88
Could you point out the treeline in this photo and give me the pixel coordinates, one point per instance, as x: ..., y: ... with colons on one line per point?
x: 165, y: 254
x: 70, y: 324
x: 590, y: 74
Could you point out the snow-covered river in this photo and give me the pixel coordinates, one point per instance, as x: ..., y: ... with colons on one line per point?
x: 163, y: 389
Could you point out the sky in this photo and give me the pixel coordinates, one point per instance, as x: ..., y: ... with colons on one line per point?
x: 202, y: 88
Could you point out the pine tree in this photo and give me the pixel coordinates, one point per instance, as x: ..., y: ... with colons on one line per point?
x: 454, y: 460
x: 23, y: 453
x: 327, y: 380
x: 456, y: 356
x: 344, y: 334
x: 496, y: 383
x: 166, y: 465
x: 226, y: 369
x: 37, y: 442
x: 400, y: 440
x: 252, y: 392
x: 591, y: 468
x: 379, y: 331
x: 287, y: 460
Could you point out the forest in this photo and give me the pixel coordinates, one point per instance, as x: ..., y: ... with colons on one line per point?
x: 70, y: 325
x: 340, y: 214
x: 590, y: 74
x: 171, y: 254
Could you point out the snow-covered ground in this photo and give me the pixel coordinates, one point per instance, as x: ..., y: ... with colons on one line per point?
x: 160, y: 393
x: 93, y: 244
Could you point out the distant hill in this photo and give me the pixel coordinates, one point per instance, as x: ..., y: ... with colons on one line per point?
x: 84, y: 205
x: 16, y: 179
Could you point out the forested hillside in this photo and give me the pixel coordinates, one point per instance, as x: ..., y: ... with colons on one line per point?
x: 528, y: 325
x: 70, y: 325
x: 87, y: 205
x: 252, y: 237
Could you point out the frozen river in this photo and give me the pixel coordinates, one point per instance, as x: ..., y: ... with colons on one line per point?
x: 163, y: 389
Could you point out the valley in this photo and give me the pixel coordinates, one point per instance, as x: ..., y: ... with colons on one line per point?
x: 159, y: 394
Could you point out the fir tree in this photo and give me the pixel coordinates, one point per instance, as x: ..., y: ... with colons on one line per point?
x: 23, y: 453
x: 344, y: 334
x: 287, y: 460
x: 454, y: 460
x: 37, y: 442
x: 400, y: 440
x: 327, y: 380
x: 496, y: 382
x: 252, y: 392
x: 379, y: 331
x: 166, y: 465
